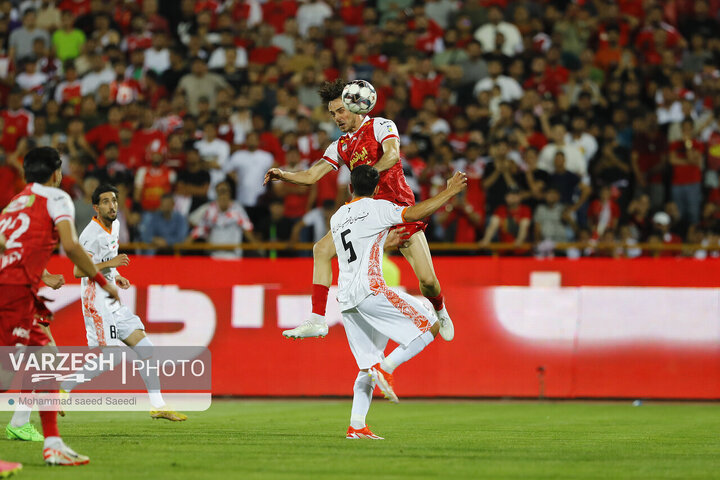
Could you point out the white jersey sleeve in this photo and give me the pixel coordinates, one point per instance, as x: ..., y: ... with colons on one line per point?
x: 331, y: 155
x: 384, y: 129
x: 389, y: 214
x: 60, y: 206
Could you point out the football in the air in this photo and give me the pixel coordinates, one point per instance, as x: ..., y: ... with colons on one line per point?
x: 359, y: 96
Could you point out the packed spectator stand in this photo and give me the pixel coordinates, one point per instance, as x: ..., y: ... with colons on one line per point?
x: 588, y: 122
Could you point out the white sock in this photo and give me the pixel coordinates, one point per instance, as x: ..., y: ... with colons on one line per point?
x: 156, y: 399
x: 402, y: 354
x: 53, y: 442
x: 362, y: 396
x: 144, y: 350
x: 315, y: 318
x: 22, y: 414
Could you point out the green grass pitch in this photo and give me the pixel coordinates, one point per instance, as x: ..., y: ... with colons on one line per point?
x: 256, y: 439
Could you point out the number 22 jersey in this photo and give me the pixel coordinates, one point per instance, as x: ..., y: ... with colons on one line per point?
x: 28, y: 224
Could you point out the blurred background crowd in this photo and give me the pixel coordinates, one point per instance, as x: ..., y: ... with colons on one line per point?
x: 593, y: 121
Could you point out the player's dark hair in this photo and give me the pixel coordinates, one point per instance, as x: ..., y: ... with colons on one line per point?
x: 40, y: 163
x: 329, y: 91
x: 364, y: 179
x: 103, y: 188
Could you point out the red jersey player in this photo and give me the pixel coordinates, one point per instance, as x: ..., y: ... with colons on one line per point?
x: 30, y: 227
x: 375, y: 142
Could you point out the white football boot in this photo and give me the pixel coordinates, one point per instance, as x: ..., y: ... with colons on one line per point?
x: 447, y: 329
x: 315, y: 326
x: 61, y: 454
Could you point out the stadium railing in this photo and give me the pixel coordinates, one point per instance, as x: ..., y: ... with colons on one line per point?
x: 494, y: 249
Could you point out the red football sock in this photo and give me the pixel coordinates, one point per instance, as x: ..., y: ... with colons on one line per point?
x: 437, y: 302
x: 319, y: 299
x: 49, y: 423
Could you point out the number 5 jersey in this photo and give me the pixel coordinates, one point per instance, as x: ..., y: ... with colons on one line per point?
x: 359, y: 229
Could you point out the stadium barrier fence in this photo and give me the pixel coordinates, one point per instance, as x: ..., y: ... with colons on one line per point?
x: 559, y: 328
x: 654, y: 249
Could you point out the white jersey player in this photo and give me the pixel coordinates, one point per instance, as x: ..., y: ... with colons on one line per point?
x: 372, y: 313
x: 107, y: 323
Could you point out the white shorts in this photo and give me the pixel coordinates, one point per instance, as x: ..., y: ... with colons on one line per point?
x: 387, y: 315
x: 106, y: 327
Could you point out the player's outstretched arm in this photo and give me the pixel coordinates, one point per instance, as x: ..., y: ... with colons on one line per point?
x: 455, y: 185
x: 306, y: 177
x: 77, y: 254
x: 3, y: 240
x: 121, y: 260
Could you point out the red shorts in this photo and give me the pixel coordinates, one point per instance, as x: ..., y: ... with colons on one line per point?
x: 17, y: 307
x: 21, y: 314
x: 411, y: 228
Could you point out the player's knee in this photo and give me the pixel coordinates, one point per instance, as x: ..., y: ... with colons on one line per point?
x: 322, y: 250
x: 363, y: 381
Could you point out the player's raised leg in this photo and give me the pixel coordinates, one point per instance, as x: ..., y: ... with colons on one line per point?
x: 316, y: 326
x: 417, y: 253
x: 406, y: 321
x: 402, y: 354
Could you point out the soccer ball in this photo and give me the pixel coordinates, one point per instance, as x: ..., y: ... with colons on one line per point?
x: 359, y: 96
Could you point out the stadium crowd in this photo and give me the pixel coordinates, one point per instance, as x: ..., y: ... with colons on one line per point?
x: 587, y: 120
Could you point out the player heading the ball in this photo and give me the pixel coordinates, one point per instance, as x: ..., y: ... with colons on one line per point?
x: 372, y: 141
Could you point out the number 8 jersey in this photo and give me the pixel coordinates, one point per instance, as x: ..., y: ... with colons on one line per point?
x: 28, y: 224
x: 102, y: 245
x: 359, y: 229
